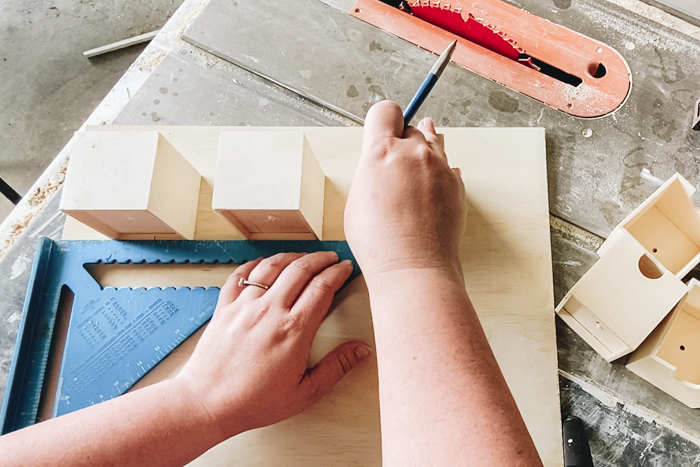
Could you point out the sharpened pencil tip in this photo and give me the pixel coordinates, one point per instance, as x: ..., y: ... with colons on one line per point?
x: 444, y: 59
x: 428, y: 83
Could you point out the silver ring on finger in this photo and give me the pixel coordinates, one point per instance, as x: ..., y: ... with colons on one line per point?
x: 244, y: 283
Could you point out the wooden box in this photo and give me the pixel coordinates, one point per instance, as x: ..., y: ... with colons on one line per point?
x: 670, y: 357
x: 637, y: 280
x: 269, y: 185
x: 131, y: 185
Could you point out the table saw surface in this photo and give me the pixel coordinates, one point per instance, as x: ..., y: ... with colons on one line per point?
x: 223, y: 63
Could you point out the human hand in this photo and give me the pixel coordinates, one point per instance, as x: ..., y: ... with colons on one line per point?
x: 250, y: 367
x: 406, y: 208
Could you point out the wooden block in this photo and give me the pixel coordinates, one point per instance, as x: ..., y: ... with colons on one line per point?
x: 670, y: 358
x: 270, y: 185
x: 131, y: 185
x: 637, y: 281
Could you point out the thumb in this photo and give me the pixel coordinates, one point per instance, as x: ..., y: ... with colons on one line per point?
x: 384, y: 120
x: 330, y: 369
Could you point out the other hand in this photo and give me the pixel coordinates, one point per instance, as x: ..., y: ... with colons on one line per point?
x: 250, y: 367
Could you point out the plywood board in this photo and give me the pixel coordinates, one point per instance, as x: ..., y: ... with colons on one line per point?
x: 507, y: 267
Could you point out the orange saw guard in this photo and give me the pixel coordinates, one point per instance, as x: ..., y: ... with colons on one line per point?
x: 600, y: 76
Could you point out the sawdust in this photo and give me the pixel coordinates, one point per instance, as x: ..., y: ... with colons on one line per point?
x: 210, y: 61
x: 151, y: 61
x: 189, y: 19
x: 613, y: 399
x: 580, y: 93
x: 16, y: 231
x: 576, y: 235
x: 33, y: 202
x: 170, y: 38
x: 41, y: 194
x: 584, y: 99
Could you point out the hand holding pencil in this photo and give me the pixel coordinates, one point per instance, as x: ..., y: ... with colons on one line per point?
x: 428, y: 84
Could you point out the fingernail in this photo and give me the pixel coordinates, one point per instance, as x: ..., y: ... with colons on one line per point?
x: 335, y: 254
x: 346, y: 263
x: 363, y: 351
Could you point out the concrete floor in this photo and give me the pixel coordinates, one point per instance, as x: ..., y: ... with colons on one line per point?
x: 48, y: 88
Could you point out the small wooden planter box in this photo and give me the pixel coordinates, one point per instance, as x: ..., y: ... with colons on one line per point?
x: 269, y: 185
x: 670, y: 358
x: 637, y: 280
x: 131, y: 185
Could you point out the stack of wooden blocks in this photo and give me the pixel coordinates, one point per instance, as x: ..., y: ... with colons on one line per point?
x: 634, y: 300
x: 134, y: 185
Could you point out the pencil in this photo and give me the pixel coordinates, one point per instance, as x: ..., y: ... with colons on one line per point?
x: 428, y: 84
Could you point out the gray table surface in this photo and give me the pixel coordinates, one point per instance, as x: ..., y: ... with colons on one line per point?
x: 247, y: 63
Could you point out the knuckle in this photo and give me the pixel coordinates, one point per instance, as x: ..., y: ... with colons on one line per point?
x: 272, y: 262
x: 384, y: 147
x: 316, y: 392
x: 387, y: 105
x: 257, y: 313
x: 423, y: 153
x: 322, y: 284
x: 277, y: 262
x: 303, y: 265
x: 344, y: 363
x: 234, y: 276
x: 288, y: 327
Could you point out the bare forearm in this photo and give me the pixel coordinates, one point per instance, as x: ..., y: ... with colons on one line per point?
x: 157, y: 425
x: 444, y: 400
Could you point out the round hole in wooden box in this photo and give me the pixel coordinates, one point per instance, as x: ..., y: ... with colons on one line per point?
x: 648, y: 268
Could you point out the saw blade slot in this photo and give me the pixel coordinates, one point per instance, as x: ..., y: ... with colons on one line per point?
x: 458, y: 21
x: 559, y: 74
